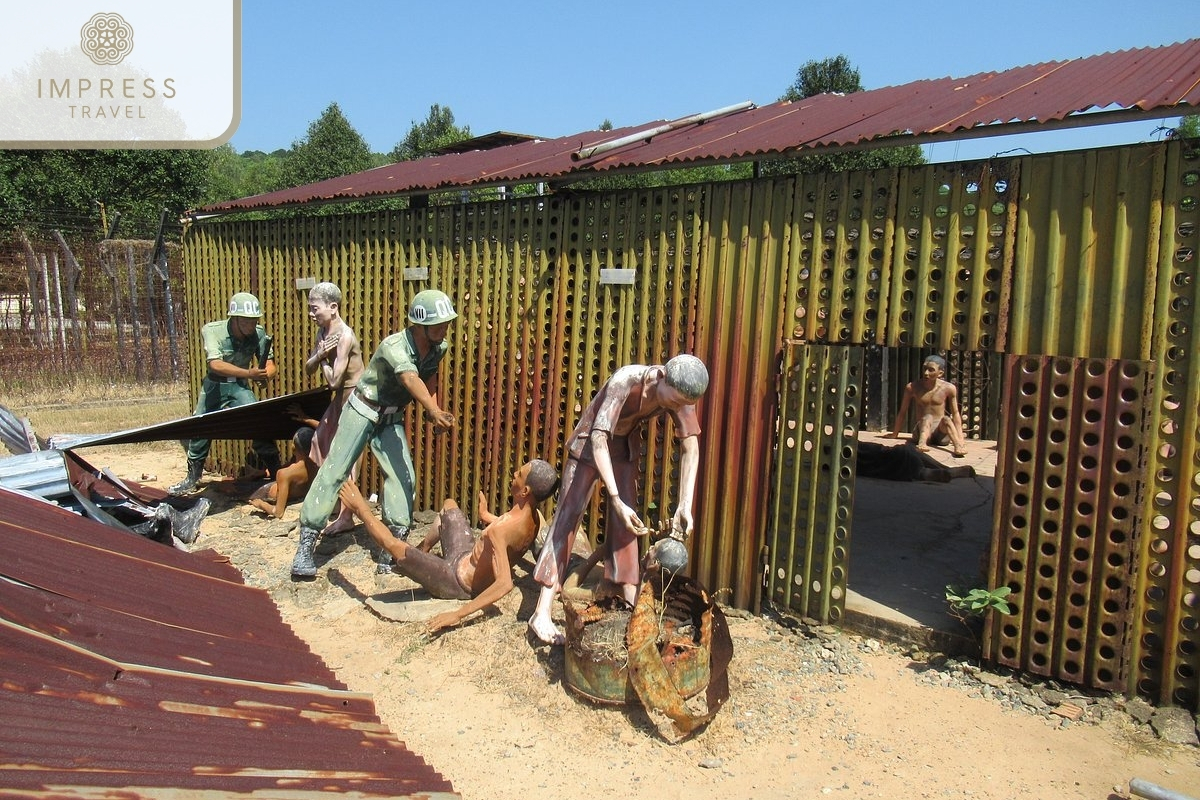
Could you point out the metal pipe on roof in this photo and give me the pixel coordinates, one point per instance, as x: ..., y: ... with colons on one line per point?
x: 641, y: 136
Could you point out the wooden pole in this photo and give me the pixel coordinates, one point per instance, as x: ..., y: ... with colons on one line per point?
x: 108, y: 264
x: 60, y: 319
x: 158, y: 259
x: 73, y: 271
x: 151, y: 319
x: 133, y: 310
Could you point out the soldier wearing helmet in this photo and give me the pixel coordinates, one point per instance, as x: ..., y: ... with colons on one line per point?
x: 403, y: 370
x: 231, y: 345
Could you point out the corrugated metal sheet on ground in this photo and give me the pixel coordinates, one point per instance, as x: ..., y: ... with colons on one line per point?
x: 41, y: 472
x: 132, y: 665
x: 1142, y: 83
x: 266, y: 419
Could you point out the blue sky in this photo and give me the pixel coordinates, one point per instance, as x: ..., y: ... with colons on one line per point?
x: 555, y: 68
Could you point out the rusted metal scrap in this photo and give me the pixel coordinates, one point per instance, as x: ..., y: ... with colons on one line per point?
x: 672, y: 645
x: 63, y: 478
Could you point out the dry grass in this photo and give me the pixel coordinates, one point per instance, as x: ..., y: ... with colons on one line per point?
x: 99, y: 407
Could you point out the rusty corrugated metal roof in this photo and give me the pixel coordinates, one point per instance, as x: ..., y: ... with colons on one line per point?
x: 135, y: 667
x: 1142, y: 83
x: 487, y: 141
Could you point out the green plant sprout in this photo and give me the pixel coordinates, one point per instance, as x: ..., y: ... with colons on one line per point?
x: 976, y: 602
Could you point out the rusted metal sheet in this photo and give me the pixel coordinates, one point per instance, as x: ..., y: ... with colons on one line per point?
x: 739, y: 309
x: 1165, y: 647
x: 267, y: 419
x: 950, y: 258
x: 137, y: 667
x: 839, y: 256
x: 805, y: 570
x: 1084, y: 262
x: 1069, y: 487
x: 1141, y: 83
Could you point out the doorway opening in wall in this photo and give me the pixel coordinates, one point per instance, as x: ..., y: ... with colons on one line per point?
x: 911, y: 538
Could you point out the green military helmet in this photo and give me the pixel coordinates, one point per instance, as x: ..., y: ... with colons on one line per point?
x: 431, y: 307
x: 244, y: 304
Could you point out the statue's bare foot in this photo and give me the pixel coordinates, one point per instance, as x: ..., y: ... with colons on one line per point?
x: 545, y: 630
x: 339, y: 525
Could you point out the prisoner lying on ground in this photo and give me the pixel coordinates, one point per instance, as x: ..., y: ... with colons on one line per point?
x: 470, y: 568
x: 904, y: 462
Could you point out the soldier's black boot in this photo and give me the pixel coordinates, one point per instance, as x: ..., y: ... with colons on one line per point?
x: 188, y: 484
x: 303, y: 565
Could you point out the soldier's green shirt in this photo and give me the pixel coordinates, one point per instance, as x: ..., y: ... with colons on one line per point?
x: 220, y: 343
x: 380, y: 381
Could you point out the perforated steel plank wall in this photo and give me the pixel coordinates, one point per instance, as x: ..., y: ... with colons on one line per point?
x: 1068, y: 509
x: 1087, y: 255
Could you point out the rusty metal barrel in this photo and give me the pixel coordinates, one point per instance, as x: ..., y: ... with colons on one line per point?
x: 596, y: 654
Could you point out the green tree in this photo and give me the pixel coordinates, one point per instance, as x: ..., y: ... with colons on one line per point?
x: 225, y: 171
x: 44, y: 190
x: 233, y: 175
x: 836, y: 76
x: 833, y: 75
x: 1189, y: 127
x: 332, y: 148
x: 424, y: 138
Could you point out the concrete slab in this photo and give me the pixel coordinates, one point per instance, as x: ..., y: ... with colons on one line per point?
x: 409, y: 605
x: 909, y: 540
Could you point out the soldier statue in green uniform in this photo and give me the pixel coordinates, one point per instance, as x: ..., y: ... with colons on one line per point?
x: 403, y: 369
x: 230, y: 346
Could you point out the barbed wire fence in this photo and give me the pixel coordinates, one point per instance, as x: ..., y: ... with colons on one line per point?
x: 90, y: 310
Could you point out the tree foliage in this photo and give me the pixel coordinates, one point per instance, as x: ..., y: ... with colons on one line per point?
x: 712, y: 173
x: 331, y: 149
x: 836, y: 76
x: 233, y: 175
x: 1189, y: 127
x: 73, y: 190
x: 833, y: 75
x: 423, y: 138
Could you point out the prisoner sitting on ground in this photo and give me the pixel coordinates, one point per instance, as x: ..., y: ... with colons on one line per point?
x: 476, y: 569
x: 936, y: 403
x: 291, y: 482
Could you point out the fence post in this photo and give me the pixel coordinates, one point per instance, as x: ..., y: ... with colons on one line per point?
x: 73, y: 273
x: 133, y: 308
x: 108, y: 264
x: 59, y: 319
x: 45, y: 334
x: 31, y: 273
x: 152, y: 320
x: 158, y: 260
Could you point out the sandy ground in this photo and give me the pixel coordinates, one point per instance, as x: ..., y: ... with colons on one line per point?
x: 808, y: 716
